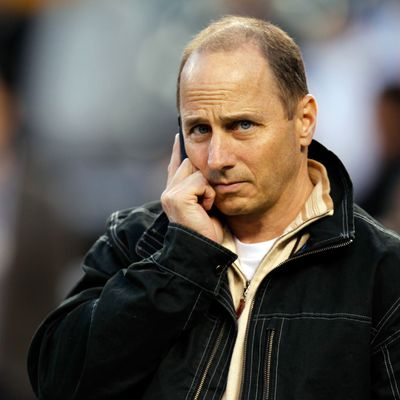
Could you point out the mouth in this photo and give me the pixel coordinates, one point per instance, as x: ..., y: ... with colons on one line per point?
x: 227, y: 187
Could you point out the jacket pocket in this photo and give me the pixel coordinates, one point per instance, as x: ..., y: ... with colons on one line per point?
x: 259, y: 373
x: 268, y: 364
x: 214, y: 350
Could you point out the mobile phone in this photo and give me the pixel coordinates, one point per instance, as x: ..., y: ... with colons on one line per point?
x: 181, y: 140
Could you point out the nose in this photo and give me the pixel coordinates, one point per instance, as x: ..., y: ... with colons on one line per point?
x: 220, y: 152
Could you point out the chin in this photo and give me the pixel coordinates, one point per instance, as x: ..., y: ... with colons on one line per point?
x: 242, y: 206
x: 232, y: 208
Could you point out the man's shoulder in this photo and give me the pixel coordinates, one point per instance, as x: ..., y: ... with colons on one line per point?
x: 373, y: 233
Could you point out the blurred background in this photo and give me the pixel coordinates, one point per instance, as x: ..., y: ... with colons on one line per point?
x: 87, y: 120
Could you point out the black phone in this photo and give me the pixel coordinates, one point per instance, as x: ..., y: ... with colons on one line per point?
x: 181, y: 140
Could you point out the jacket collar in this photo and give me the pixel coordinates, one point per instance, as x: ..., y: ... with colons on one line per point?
x: 339, y: 227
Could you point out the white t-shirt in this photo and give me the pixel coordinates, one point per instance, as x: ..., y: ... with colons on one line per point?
x: 251, y: 254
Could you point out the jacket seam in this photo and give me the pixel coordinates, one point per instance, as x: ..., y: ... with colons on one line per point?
x: 390, y: 373
x: 141, y: 251
x: 215, y: 245
x: 151, y: 232
x: 191, y: 311
x: 93, y: 309
x: 105, y: 239
x: 226, y: 297
x: 146, y: 238
x: 260, y: 357
x: 377, y: 226
x: 277, y: 357
x: 183, y: 277
x: 118, y: 242
x: 251, y: 358
x: 345, y: 221
x: 155, y: 232
x: 140, y: 248
x: 386, y: 342
x: 393, y: 308
x: 225, y: 290
x: 330, y: 240
x: 143, y: 210
x: 196, y: 375
x: 345, y: 217
x: 226, y: 302
x: 306, y: 315
x: 152, y: 247
x: 325, y: 319
x: 265, y: 290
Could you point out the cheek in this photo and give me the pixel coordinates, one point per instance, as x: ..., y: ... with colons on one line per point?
x: 271, y: 162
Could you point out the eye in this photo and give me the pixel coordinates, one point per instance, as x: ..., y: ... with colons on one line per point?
x: 200, y: 129
x: 243, y: 125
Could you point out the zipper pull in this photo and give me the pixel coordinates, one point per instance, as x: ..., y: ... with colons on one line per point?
x: 240, y: 308
x: 242, y: 301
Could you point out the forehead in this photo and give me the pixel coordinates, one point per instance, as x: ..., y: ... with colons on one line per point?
x: 241, y: 75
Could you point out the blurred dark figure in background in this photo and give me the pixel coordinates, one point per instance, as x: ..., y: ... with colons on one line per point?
x: 383, y: 201
x: 32, y: 238
x: 12, y: 34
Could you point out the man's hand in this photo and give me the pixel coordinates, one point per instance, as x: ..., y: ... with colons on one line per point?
x: 188, y: 197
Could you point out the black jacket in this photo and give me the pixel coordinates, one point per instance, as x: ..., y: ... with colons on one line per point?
x: 153, y: 316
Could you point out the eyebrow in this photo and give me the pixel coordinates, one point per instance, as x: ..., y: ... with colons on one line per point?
x: 243, y: 115
x: 226, y: 119
x: 192, y: 121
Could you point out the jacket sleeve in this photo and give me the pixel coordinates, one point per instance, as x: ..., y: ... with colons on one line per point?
x: 108, y: 337
x: 385, y: 355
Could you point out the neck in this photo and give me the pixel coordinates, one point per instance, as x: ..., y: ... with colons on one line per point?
x: 271, y: 223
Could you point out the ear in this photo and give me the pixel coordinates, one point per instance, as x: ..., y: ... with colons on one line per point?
x: 306, y: 120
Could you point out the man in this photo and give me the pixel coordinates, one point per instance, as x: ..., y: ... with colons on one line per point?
x: 259, y: 279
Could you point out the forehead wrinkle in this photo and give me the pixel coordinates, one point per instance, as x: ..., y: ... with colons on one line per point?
x: 212, y: 86
x: 210, y: 92
x: 205, y: 97
x: 237, y: 107
x: 242, y: 113
x: 197, y: 100
x: 202, y: 107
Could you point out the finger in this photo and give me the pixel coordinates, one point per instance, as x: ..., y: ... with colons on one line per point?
x: 184, y: 170
x: 196, y: 187
x: 187, y: 191
x: 175, y: 160
x: 208, y: 198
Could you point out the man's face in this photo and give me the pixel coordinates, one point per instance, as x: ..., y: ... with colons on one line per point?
x: 236, y: 130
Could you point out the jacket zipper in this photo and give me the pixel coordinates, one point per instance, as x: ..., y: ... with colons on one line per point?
x: 208, y: 365
x: 252, y: 301
x: 268, y: 363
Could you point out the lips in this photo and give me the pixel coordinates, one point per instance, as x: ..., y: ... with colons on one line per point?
x: 226, y: 187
